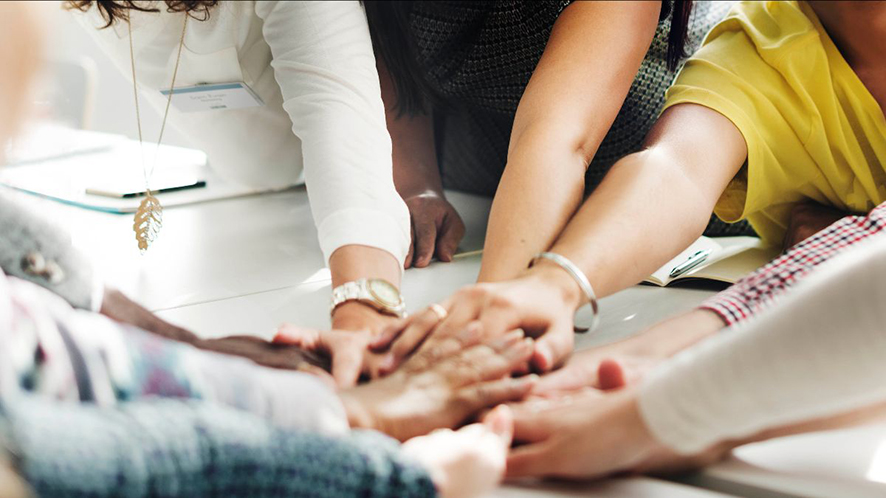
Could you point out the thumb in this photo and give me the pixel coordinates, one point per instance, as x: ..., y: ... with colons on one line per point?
x: 553, y: 348
x: 611, y: 375
x: 500, y: 422
x: 347, y: 363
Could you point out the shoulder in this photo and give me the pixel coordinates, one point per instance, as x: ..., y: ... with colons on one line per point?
x: 771, y: 31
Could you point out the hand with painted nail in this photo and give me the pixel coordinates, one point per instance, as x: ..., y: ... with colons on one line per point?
x: 443, y: 385
x: 470, y: 461
x: 541, y: 302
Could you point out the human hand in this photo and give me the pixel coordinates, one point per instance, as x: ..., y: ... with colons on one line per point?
x: 626, y: 362
x: 589, y: 435
x: 437, y: 228
x: 354, y: 326
x: 807, y: 219
x: 541, y: 302
x: 443, y: 384
x: 468, y: 462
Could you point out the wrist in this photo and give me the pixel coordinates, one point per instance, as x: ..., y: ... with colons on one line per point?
x: 357, y: 316
x: 675, y: 334
x: 423, y: 191
x: 553, y: 278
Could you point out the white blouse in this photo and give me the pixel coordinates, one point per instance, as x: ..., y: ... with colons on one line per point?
x: 819, y: 352
x: 312, y: 65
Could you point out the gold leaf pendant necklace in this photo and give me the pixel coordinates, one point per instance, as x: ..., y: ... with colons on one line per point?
x: 149, y: 217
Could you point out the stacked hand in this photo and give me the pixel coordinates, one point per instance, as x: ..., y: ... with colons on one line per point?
x: 541, y: 302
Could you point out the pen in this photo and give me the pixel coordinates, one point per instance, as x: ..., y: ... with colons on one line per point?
x: 690, y: 263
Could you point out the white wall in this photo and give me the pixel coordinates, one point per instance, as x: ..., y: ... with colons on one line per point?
x: 114, y: 110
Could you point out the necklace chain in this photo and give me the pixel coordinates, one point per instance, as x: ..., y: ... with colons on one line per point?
x: 149, y: 216
x: 149, y: 173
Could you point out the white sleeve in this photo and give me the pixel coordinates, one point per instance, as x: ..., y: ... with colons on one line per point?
x: 821, y: 351
x: 324, y: 64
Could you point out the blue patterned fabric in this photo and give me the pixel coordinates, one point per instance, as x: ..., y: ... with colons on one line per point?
x: 166, y: 447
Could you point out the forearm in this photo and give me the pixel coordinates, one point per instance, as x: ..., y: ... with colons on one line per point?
x: 540, y: 190
x: 646, y: 210
x: 816, y: 356
x: 412, y: 137
x: 119, y: 307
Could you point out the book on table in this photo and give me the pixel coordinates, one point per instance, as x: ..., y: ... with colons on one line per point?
x: 721, y: 259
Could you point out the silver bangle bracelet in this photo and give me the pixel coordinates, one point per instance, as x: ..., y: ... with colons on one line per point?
x: 575, y: 272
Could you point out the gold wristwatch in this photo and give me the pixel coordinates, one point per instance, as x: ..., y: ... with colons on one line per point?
x: 375, y: 292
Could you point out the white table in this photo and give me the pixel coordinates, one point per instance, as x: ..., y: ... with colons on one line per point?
x: 246, y: 265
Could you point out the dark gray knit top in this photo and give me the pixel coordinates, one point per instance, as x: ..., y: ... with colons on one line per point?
x: 478, y: 58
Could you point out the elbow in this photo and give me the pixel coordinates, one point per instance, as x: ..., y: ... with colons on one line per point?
x: 570, y: 148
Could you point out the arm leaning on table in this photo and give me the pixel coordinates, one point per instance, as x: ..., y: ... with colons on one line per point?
x: 324, y: 64
x: 612, y: 366
x: 650, y: 206
x: 813, y: 362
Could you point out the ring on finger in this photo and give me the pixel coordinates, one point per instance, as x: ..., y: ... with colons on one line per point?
x: 440, y: 311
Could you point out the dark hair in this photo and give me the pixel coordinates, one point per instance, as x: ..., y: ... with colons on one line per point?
x: 389, y: 27
x: 112, y: 10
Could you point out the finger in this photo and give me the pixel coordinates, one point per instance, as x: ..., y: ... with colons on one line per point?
x: 611, y: 375
x: 389, y: 333
x: 490, y: 361
x: 451, y: 232
x: 297, y: 336
x: 535, y: 419
x: 569, y: 378
x: 419, y: 328
x: 553, y: 348
x: 425, y: 237
x: 462, y: 308
x: 501, y: 422
x: 409, y: 255
x: 479, y: 396
x: 347, y: 363
x: 433, y: 351
x: 532, y: 460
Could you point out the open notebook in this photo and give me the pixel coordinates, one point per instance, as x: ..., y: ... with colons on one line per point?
x: 723, y: 259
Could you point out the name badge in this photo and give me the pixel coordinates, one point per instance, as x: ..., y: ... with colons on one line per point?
x: 214, y: 97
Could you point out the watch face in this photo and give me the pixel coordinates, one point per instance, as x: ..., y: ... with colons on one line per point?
x: 384, y: 292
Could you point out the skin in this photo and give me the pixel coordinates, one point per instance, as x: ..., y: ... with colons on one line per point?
x: 567, y: 436
x: 560, y: 122
x: 650, y: 206
x: 593, y: 435
x: 436, y: 226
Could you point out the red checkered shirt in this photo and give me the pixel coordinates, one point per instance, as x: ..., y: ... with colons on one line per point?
x: 762, y: 288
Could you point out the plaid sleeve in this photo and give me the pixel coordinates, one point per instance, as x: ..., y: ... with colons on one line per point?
x: 759, y: 289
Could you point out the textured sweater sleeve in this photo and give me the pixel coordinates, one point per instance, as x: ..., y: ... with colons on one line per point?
x: 182, y: 448
x: 324, y: 64
x: 819, y: 353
